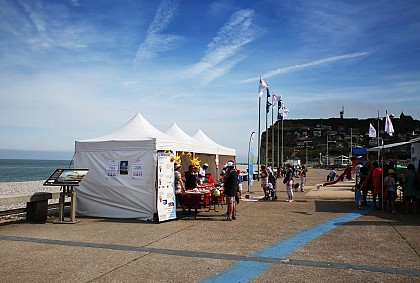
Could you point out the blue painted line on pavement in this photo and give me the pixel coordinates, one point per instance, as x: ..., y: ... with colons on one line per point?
x: 244, y: 271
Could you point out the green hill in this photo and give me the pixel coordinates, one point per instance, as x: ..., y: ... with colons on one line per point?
x: 308, y: 137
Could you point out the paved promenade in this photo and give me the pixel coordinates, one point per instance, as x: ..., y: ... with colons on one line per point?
x: 320, y: 237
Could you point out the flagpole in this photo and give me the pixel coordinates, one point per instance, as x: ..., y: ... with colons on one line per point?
x: 272, y: 130
x: 259, y: 136
x: 378, y: 135
x: 261, y: 87
x: 266, y: 128
x: 278, y: 142
x: 382, y: 195
x: 282, y: 119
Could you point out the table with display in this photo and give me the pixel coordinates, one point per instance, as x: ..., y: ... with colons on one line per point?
x: 196, y: 198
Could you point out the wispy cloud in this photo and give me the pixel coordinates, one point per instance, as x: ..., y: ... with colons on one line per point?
x: 227, y: 45
x: 37, y: 27
x: 324, y: 61
x: 155, y: 41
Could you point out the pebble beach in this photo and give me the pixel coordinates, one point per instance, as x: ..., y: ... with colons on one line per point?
x: 9, y: 189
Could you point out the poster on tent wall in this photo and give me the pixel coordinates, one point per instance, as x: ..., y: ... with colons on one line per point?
x: 137, y: 170
x: 166, y: 204
x: 112, y: 169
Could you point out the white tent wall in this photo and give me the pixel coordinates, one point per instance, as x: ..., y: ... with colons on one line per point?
x: 120, y: 196
x: 185, y: 162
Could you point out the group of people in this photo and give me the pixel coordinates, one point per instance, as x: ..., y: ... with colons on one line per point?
x: 382, y: 183
x: 230, y: 180
x: 269, y: 180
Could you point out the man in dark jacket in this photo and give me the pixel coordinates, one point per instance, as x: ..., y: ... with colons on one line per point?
x: 231, y: 187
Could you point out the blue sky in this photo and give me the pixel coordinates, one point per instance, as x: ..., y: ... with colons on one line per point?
x: 79, y: 69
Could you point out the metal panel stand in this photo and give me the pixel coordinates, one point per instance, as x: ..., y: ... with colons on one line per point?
x: 68, y: 191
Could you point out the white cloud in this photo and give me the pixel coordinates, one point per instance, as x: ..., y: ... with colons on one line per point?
x: 289, y: 69
x: 155, y: 41
x: 225, y: 49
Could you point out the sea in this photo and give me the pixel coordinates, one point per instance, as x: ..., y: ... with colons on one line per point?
x: 23, y: 170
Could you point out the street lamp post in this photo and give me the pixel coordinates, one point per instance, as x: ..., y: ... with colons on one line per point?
x: 327, y: 151
x: 306, y: 157
x: 327, y: 162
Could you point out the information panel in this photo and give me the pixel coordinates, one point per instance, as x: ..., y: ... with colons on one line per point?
x: 166, y: 205
x: 66, y: 177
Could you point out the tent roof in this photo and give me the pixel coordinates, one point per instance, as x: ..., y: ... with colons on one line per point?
x: 378, y: 148
x: 177, y: 133
x: 139, y: 129
x: 207, y: 143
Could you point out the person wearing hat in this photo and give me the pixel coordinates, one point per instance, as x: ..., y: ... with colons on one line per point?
x: 191, y: 178
x: 231, y: 187
x: 390, y: 188
x: 202, y: 173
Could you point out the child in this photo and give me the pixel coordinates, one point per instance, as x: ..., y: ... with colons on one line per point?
x: 391, y: 191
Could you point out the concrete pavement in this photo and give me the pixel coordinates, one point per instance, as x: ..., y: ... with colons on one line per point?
x: 373, y: 247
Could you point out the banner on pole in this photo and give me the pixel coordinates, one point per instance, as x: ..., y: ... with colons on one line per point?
x: 251, y: 160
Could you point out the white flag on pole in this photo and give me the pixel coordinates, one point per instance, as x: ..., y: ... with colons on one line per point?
x: 262, y: 87
x: 285, y: 111
x: 372, y: 131
x: 389, y: 128
x: 276, y: 98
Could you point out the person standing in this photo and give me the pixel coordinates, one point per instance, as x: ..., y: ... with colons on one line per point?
x: 289, y: 182
x: 202, y: 173
x: 279, y: 173
x: 391, y: 191
x: 240, y: 181
x: 179, y: 186
x: 271, y: 180
x: 365, y: 181
x: 302, y: 175
x: 231, y: 188
x: 357, y: 173
x: 409, y: 180
x: 190, y: 178
x: 377, y: 185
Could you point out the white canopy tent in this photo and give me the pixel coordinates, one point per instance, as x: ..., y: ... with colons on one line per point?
x: 123, y: 195
x: 379, y: 148
x: 414, y: 159
x: 205, y: 149
x: 415, y: 149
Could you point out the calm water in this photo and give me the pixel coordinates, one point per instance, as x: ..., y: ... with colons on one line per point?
x: 22, y: 170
